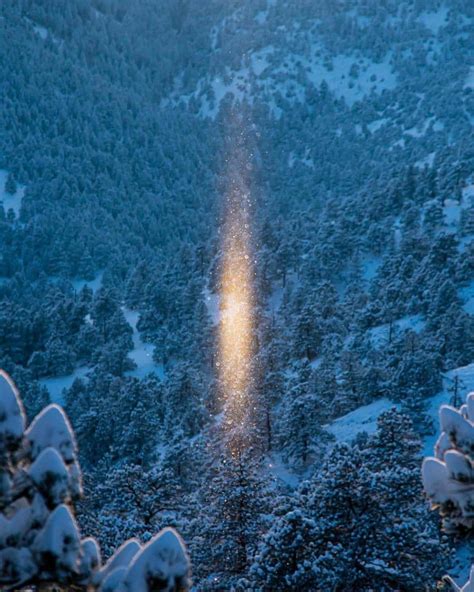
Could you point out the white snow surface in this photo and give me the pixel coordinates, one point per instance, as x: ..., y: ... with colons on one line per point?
x: 469, y: 83
x: 268, y: 74
x: 49, y: 461
x: 114, y: 581
x: 212, y: 302
x: 142, y: 353
x: 436, y: 19
x: 56, y: 385
x: 467, y: 296
x: 468, y: 190
x: 426, y: 161
x: 41, y: 31
x: 10, y: 201
x: 370, y: 266
x: 18, y: 524
x: 51, y: 428
x: 277, y: 468
x: 21, y: 558
x: 51, y: 476
x: 12, y: 416
x: 90, y: 556
x: 375, y: 125
x: 94, y: 284
x: 121, y: 559
x: 163, y: 557
x: 60, y: 537
x: 380, y: 335
x: 362, y: 419
x: 452, y: 212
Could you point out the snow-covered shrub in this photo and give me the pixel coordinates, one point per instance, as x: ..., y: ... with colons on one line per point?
x: 40, y: 478
x: 448, y: 477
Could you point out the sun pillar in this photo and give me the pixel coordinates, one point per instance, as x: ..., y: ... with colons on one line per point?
x: 236, y: 336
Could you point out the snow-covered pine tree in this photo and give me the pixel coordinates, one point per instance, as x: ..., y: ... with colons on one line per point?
x: 10, y: 184
x: 448, y: 477
x: 40, y: 542
x: 238, y: 502
x: 359, y: 523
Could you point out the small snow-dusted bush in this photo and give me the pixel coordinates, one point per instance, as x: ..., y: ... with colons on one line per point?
x: 448, y: 477
x: 40, y: 542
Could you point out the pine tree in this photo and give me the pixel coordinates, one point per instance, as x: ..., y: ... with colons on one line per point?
x: 10, y: 184
x: 40, y: 541
x: 235, y: 498
x: 358, y: 524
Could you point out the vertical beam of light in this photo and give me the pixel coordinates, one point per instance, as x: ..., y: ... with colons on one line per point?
x: 236, y: 327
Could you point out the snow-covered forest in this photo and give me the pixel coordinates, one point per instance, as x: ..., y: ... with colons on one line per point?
x: 124, y: 127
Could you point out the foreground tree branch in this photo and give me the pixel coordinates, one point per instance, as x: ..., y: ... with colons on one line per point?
x: 41, y: 548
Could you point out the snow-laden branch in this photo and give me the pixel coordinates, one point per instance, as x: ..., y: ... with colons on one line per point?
x: 40, y: 541
x: 448, y: 477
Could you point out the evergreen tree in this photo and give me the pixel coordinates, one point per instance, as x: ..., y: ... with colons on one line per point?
x: 41, y: 543
x: 237, y: 501
x: 347, y: 532
x: 10, y: 184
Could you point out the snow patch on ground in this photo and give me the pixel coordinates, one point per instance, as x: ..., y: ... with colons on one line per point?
x: 262, y: 15
x: 275, y: 299
x: 380, y: 335
x: 58, y: 384
x: 375, y: 125
x: 464, y: 242
x: 267, y: 74
x: 41, y: 31
x: 10, y: 201
x: 362, y: 419
x: 419, y: 130
x: 435, y: 20
x: 277, y: 468
x: 370, y: 266
x: 469, y: 82
x: 452, y: 212
x: 260, y: 60
x: 305, y: 159
x: 94, y: 284
x: 142, y: 353
x: 350, y: 85
x: 426, y: 161
x: 212, y: 302
x: 467, y: 296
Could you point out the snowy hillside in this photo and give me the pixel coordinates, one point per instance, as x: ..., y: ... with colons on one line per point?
x: 235, y: 234
x: 364, y: 419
